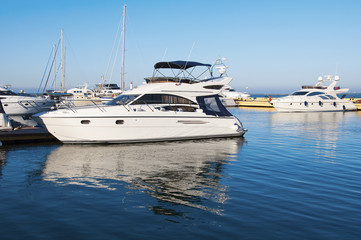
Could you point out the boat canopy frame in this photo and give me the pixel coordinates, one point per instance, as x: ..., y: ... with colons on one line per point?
x: 183, y: 71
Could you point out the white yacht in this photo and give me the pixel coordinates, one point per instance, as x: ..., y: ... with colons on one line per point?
x: 20, y: 107
x: 317, y: 98
x: 167, y: 108
x: 80, y: 96
x: 229, y: 94
x: 108, y: 89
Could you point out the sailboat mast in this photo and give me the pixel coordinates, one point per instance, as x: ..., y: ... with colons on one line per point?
x: 54, y: 68
x: 62, y: 62
x: 123, y: 52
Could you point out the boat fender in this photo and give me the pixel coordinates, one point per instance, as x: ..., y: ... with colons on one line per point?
x: 306, y: 103
x: 335, y: 104
x: 344, y: 108
x: 320, y: 103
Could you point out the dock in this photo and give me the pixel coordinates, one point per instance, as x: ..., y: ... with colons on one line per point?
x: 254, y: 102
x: 26, y: 135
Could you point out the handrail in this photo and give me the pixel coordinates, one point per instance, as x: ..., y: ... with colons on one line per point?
x: 31, y: 103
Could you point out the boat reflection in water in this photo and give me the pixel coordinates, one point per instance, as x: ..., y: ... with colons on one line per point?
x: 186, y: 173
x: 320, y: 127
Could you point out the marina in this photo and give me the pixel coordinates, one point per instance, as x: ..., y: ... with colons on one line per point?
x: 228, y: 120
x: 292, y: 176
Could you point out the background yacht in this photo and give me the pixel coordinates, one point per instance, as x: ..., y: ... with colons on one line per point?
x: 20, y: 108
x: 229, y: 94
x: 317, y: 98
x: 168, y: 108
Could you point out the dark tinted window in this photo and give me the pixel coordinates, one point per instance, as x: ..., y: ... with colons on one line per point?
x: 162, y: 99
x: 315, y: 93
x: 299, y: 93
x: 211, y: 105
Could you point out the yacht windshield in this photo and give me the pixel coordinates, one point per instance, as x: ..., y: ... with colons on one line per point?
x: 122, y: 100
x: 211, y: 105
x: 299, y: 93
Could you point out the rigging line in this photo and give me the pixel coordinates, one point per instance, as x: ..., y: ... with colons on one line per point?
x: 56, y: 74
x: 46, y: 68
x: 74, y: 56
x: 52, y: 63
x: 112, y: 52
x: 194, y: 43
x: 115, y: 60
x: 165, y: 52
x: 189, y: 55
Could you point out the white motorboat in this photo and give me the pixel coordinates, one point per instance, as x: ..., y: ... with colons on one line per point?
x: 20, y: 108
x: 170, y: 108
x: 317, y: 98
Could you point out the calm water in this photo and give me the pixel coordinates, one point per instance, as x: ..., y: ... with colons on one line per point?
x: 294, y: 176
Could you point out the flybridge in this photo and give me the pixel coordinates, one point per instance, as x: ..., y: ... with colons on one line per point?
x: 184, y: 72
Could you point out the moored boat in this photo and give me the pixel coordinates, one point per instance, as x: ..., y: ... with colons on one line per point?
x: 316, y: 98
x: 20, y: 108
x: 183, y: 108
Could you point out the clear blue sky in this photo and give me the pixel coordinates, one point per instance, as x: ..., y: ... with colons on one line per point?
x: 271, y: 46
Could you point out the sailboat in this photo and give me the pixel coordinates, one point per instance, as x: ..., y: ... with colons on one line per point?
x: 112, y: 89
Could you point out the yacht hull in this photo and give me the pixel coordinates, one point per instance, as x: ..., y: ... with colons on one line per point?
x: 313, y: 106
x: 140, y: 128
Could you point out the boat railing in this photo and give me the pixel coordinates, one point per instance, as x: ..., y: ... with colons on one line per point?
x: 29, y: 104
x: 71, y: 104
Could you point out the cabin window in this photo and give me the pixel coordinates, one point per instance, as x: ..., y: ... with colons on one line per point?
x: 324, y: 97
x: 331, y: 97
x: 299, y: 93
x: 122, y: 100
x: 85, y: 121
x: 214, y: 87
x: 7, y: 93
x: 119, y: 122
x: 315, y: 94
x: 162, y: 99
